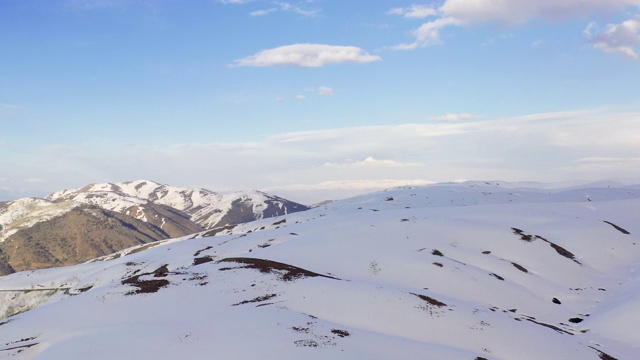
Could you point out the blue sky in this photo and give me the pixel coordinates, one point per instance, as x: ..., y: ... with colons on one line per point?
x: 316, y: 98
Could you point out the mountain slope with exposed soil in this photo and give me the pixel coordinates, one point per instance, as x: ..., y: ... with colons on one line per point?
x: 72, y: 226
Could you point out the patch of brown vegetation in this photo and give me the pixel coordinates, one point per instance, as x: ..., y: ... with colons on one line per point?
x: 553, y: 327
x: 559, y: 249
x: 287, y: 272
x: 617, y: 227
x: 523, y: 236
x: 520, y: 267
x: 148, y: 286
x: 497, y: 276
x: 340, y: 333
x: 603, y: 355
x: 202, y: 260
x: 13, y: 345
x: 306, y: 343
x: 430, y: 300
x: 257, y: 299
x: 201, y: 250
x: 216, y: 230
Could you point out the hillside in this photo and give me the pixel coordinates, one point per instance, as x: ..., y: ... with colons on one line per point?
x: 72, y: 226
x: 83, y: 233
x: 451, y: 271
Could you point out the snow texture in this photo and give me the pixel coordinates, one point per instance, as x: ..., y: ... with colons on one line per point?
x: 469, y: 271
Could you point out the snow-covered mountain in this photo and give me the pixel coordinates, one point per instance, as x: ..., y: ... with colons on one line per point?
x: 451, y: 271
x: 205, y: 207
x: 72, y: 226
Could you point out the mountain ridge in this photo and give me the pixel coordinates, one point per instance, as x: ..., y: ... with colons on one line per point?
x: 161, y: 212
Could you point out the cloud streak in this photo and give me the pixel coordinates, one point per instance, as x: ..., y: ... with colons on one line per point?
x: 453, y: 117
x: 414, y: 11
x: 284, y: 6
x: 307, y: 55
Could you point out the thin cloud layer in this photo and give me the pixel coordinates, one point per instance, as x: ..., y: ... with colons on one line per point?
x: 325, y: 91
x: 414, y: 11
x: 539, y: 147
x: 517, y: 12
x: 307, y: 55
x: 453, y: 117
x: 369, y: 162
x: 283, y: 6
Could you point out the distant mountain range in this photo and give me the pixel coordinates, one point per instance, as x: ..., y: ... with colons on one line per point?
x: 72, y: 226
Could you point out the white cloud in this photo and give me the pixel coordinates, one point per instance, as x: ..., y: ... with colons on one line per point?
x: 307, y: 55
x: 623, y: 38
x: 453, y: 117
x: 428, y: 34
x: 588, y: 31
x: 300, y: 97
x: 518, y: 12
x: 262, y: 12
x: 287, y: 7
x: 537, y: 43
x: 414, y: 11
x: 325, y: 91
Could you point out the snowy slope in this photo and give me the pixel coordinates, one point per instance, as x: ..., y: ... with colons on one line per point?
x: 205, y: 207
x: 451, y: 271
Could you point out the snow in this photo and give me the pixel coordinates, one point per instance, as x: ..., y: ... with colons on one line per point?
x: 204, y: 207
x: 380, y: 252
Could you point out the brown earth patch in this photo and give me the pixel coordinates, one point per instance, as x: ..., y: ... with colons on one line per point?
x: 430, y: 300
x: 148, y: 286
x: 603, y: 355
x: 520, y: 267
x: 617, y: 227
x: 257, y: 299
x: 202, y: 260
x: 340, y: 333
x: 287, y: 272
